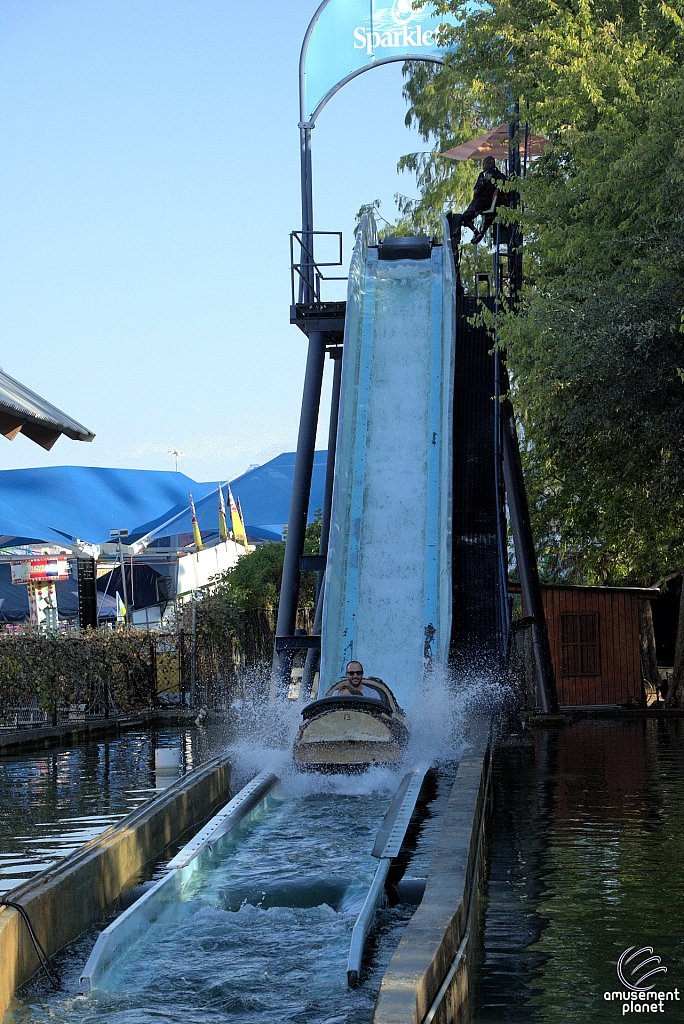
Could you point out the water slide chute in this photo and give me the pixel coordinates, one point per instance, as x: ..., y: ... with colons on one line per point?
x: 387, y: 597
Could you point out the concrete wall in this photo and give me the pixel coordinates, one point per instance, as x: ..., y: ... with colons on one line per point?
x: 435, y: 943
x: 65, y: 900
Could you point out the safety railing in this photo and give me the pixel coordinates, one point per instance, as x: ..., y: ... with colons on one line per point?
x: 306, y: 275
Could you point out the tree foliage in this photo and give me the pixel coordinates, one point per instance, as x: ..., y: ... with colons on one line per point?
x: 244, y: 600
x: 595, y: 348
x: 103, y: 669
x: 254, y: 582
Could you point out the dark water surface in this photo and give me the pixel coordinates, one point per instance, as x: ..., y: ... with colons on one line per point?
x: 586, y: 859
x: 53, y: 801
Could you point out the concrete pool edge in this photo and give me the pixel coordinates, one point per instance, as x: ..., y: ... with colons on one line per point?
x: 69, y: 898
x: 429, y: 959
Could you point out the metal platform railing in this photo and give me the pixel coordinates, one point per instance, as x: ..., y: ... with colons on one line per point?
x: 306, y: 276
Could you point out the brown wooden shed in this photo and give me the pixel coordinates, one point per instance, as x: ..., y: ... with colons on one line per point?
x: 594, y: 636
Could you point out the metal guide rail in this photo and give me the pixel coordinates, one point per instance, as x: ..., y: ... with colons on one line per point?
x: 387, y: 846
x: 130, y: 925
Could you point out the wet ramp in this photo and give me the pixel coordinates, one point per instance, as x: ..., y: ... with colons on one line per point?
x: 388, y: 573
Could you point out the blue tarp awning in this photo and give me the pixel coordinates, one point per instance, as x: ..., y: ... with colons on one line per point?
x: 66, y: 503
x: 62, y: 504
x: 264, y: 495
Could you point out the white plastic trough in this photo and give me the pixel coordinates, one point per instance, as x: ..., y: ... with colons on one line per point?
x: 129, y: 926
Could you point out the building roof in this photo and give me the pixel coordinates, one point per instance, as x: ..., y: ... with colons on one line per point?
x: 23, y: 411
x: 645, y: 593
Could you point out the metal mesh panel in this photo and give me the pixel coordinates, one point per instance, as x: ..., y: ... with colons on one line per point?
x: 474, y: 543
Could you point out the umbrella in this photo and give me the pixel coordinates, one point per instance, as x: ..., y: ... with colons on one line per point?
x: 495, y: 143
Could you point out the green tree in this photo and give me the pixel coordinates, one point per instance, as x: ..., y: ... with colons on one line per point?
x: 251, y: 586
x: 595, y: 347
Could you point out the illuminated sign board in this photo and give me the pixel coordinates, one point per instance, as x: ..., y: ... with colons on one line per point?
x: 40, y: 570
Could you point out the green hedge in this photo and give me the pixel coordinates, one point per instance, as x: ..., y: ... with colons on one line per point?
x: 106, y: 670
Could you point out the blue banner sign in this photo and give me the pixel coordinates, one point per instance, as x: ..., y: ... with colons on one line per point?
x: 347, y: 37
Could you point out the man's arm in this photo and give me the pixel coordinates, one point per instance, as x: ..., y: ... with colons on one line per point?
x: 479, y: 184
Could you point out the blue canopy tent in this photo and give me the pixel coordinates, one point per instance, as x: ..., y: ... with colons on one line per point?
x: 62, y: 504
x: 265, y: 491
x: 66, y: 503
x: 264, y: 495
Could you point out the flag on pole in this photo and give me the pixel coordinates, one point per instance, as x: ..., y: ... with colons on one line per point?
x: 223, y: 525
x: 120, y: 608
x: 236, y: 521
x: 195, y: 528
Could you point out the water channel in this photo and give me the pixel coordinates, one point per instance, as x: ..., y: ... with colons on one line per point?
x: 265, y: 934
x: 585, y: 852
x: 53, y: 801
x: 586, y: 860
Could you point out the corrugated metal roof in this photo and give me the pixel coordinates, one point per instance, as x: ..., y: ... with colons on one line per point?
x: 22, y: 410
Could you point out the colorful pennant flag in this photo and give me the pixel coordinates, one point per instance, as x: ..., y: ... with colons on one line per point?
x: 195, y: 528
x: 236, y: 521
x: 223, y: 525
x: 120, y: 608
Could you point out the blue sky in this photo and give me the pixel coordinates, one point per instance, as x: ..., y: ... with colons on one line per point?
x: 149, y: 179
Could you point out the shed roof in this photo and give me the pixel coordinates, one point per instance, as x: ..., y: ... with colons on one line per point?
x: 23, y: 411
x: 644, y: 593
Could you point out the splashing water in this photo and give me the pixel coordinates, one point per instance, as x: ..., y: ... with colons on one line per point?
x: 266, y: 731
x: 264, y: 934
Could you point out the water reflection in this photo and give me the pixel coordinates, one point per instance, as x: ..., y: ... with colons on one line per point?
x: 54, y: 801
x: 585, y: 860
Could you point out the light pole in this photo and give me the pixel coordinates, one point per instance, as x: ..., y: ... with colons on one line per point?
x: 117, y: 535
x: 193, y: 648
x: 176, y: 454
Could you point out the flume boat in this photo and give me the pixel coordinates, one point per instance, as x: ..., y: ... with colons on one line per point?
x: 351, y: 733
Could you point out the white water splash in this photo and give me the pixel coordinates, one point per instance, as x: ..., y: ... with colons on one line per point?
x: 265, y: 732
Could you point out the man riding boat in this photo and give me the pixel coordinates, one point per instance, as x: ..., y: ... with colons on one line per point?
x: 357, y: 724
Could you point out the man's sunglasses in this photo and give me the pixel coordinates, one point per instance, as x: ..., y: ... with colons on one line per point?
x: 351, y: 672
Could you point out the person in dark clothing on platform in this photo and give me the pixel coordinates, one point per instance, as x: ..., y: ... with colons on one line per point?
x: 484, y: 201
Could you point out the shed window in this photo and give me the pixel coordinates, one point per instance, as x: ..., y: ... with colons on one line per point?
x: 580, y: 654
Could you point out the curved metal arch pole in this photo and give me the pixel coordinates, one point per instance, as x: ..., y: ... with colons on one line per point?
x: 403, y: 59
x: 306, y: 282
x: 301, y: 483
x: 307, y: 287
